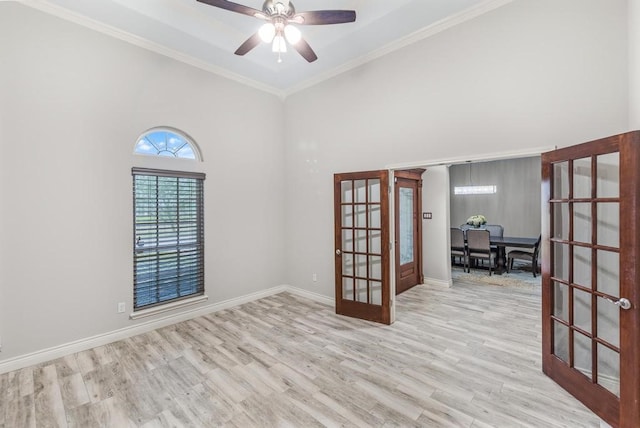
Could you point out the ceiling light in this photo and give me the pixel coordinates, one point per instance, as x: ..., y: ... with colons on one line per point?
x: 267, y: 31
x: 292, y: 34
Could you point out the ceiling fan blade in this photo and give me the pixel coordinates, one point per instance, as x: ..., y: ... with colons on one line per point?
x: 323, y: 17
x: 234, y: 7
x: 305, y: 50
x: 249, y: 44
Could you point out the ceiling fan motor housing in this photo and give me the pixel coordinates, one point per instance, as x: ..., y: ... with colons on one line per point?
x: 278, y: 8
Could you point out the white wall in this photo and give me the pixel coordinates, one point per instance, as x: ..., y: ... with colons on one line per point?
x: 435, y: 232
x: 533, y: 73
x: 634, y: 64
x: 73, y: 103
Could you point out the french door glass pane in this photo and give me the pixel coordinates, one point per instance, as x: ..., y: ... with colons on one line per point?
x: 374, y: 216
x: 608, y: 177
x: 582, y: 266
x: 361, y: 241
x: 561, y: 261
x: 347, y: 216
x: 561, y: 301
x: 561, y: 341
x: 582, y: 178
x: 608, y: 224
x: 347, y: 288
x: 376, y: 292
x: 608, y: 322
x: 375, y: 241
x: 374, y: 190
x: 582, y: 222
x: 406, y: 224
x: 360, y: 191
x: 347, y: 191
x: 347, y: 240
x: 582, y: 354
x: 582, y: 310
x: 561, y: 180
x: 609, y: 272
x: 360, y: 215
x: 375, y: 267
x: 361, y: 265
x: 361, y: 290
x: 609, y: 369
x: 347, y: 264
x: 561, y: 221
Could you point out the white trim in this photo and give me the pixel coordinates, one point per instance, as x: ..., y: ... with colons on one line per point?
x: 438, y: 282
x: 402, y: 42
x: 167, y: 307
x: 320, y: 298
x: 59, y: 351
x: 511, y: 154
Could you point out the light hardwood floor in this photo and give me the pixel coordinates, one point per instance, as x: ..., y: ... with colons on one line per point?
x: 468, y: 356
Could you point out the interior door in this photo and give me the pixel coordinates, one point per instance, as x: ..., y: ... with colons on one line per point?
x: 408, y: 229
x: 362, y: 278
x: 590, y: 296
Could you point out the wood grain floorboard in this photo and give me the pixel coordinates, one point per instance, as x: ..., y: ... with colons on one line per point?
x: 465, y: 356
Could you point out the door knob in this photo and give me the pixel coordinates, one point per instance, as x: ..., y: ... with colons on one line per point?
x: 338, y: 252
x: 623, y: 303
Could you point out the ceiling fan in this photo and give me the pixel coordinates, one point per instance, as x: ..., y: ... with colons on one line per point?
x: 280, y: 15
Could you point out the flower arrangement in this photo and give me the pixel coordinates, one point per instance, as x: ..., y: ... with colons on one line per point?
x: 477, y: 220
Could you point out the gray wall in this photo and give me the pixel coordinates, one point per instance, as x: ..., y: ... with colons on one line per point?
x: 516, y: 205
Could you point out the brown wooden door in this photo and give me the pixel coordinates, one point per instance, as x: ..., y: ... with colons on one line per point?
x: 408, y: 229
x: 590, y: 284
x: 361, y: 210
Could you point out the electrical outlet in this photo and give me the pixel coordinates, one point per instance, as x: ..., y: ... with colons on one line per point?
x: 315, y: 277
x: 121, y: 308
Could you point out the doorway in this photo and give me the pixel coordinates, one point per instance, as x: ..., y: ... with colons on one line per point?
x: 408, y: 228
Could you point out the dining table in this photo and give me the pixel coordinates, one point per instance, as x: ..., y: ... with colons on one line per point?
x: 502, y: 242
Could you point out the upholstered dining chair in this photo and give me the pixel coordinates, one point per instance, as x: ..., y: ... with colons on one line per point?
x: 479, y: 247
x: 458, y: 247
x: 530, y: 256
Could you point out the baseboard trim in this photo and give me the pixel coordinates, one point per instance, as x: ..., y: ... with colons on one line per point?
x: 320, y: 298
x: 438, y: 282
x: 59, y: 351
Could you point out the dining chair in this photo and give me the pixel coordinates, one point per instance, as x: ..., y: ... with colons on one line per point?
x: 479, y: 247
x: 530, y: 256
x: 458, y: 247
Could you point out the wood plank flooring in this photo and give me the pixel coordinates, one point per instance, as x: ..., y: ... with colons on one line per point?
x: 468, y: 356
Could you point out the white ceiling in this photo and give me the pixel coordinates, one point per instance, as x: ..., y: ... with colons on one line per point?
x: 207, y: 36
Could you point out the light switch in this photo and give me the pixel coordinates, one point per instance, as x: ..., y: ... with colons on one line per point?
x: 427, y: 216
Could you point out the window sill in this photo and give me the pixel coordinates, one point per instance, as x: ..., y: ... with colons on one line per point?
x: 168, y: 307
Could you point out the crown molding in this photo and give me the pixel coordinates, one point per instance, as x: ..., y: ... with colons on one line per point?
x: 442, y: 25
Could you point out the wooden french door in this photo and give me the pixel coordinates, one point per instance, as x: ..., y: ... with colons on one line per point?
x: 361, y: 210
x: 408, y: 229
x: 590, y: 275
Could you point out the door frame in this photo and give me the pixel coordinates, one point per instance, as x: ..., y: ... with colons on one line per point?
x: 413, y: 175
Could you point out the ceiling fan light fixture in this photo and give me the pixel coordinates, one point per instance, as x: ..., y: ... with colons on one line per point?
x: 279, y: 44
x: 267, y: 32
x: 292, y: 34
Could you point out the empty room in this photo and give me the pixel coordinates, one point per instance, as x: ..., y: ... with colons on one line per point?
x: 203, y: 213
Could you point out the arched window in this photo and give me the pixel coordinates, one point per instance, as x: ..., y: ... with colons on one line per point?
x: 167, y: 142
